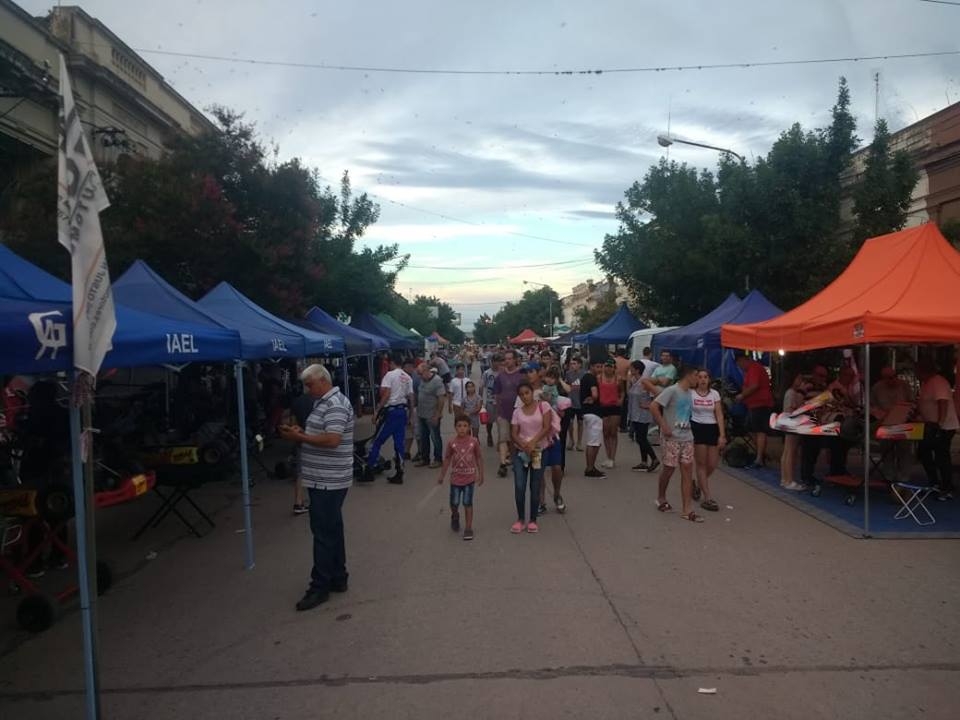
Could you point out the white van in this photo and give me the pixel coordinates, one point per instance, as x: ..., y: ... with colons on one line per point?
x: 644, y: 338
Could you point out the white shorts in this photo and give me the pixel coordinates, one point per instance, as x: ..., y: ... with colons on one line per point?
x: 592, y: 431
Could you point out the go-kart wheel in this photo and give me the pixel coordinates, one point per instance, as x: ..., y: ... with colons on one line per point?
x: 736, y: 456
x: 850, y: 500
x: 817, y: 489
x: 104, y: 577
x: 36, y: 613
x: 55, y: 504
x: 211, y: 454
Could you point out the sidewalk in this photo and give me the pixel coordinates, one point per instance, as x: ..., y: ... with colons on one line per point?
x: 612, y: 611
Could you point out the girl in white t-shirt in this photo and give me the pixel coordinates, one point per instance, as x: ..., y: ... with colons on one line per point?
x: 709, y: 435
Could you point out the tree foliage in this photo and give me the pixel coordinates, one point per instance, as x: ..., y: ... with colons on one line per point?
x: 530, y: 311
x: 688, y: 238
x: 216, y: 207
x: 417, y: 315
x: 882, y: 197
x: 951, y: 231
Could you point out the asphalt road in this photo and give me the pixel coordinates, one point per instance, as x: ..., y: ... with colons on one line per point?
x: 612, y: 611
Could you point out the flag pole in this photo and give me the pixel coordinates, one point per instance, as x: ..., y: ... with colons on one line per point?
x: 80, y: 199
x: 81, y: 439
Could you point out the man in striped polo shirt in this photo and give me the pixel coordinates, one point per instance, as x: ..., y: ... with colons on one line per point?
x: 326, y: 470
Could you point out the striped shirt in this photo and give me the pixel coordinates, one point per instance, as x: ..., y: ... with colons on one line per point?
x: 329, y: 468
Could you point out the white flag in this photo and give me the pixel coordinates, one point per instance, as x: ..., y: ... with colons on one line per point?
x: 80, y: 198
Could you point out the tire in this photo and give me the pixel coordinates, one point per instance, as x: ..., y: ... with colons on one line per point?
x: 736, y: 456
x: 36, y: 613
x: 104, y: 577
x: 55, y: 504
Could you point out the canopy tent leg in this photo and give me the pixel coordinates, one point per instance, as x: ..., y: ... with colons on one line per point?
x: 373, y: 395
x: 866, y: 440
x: 86, y: 549
x: 346, y: 379
x: 244, y: 466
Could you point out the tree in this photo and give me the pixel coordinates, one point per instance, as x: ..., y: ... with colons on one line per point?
x: 418, y: 315
x: 882, y: 198
x: 951, y: 231
x: 531, y: 311
x: 688, y: 238
x: 215, y: 207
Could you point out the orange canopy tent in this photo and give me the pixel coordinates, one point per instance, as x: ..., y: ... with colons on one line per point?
x: 900, y: 287
x: 527, y: 337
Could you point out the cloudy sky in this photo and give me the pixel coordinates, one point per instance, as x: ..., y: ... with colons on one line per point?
x: 527, y: 169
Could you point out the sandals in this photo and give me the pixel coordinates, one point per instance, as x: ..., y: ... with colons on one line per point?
x: 697, y: 494
x: 692, y: 517
x: 664, y: 507
x: 710, y: 505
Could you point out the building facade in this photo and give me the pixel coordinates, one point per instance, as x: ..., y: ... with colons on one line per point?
x: 587, y: 294
x: 126, y: 106
x: 934, y: 145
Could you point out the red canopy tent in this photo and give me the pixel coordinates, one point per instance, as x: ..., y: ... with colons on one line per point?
x: 900, y: 288
x: 527, y: 337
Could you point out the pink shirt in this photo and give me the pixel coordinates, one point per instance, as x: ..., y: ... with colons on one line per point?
x: 464, y: 454
x: 531, y: 424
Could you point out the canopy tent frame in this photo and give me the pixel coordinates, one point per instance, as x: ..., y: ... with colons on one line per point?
x: 893, y: 291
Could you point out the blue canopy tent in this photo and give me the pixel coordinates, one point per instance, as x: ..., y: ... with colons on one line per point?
x: 699, y: 342
x: 236, y: 308
x: 35, y: 300
x: 357, y: 342
x: 369, y: 323
x: 142, y: 288
x: 615, y: 331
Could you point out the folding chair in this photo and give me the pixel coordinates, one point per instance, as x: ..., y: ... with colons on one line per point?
x: 913, y: 501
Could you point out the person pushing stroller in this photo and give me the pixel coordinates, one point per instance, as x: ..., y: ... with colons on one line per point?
x: 396, y: 398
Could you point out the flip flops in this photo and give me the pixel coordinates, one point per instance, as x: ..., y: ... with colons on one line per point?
x: 692, y: 517
x: 664, y: 507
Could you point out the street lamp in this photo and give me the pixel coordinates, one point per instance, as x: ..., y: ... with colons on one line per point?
x: 668, y: 140
x: 549, y: 299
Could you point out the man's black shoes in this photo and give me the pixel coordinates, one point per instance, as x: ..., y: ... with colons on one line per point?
x: 312, y: 599
x: 338, y: 587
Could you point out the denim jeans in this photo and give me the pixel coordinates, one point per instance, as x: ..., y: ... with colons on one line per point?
x: 430, y: 433
x: 329, y: 551
x: 520, y: 474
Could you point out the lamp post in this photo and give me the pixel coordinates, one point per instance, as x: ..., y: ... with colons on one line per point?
x: 550, y: 300
x: 668, y: 140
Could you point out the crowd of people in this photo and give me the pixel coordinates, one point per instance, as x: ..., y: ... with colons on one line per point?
x: 536, y: 413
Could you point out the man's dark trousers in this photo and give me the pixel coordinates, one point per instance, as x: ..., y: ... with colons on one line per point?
x: 329, y: 551
x: 394, y: 425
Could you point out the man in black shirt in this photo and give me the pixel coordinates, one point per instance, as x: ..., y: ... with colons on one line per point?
x: 592, y: 423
